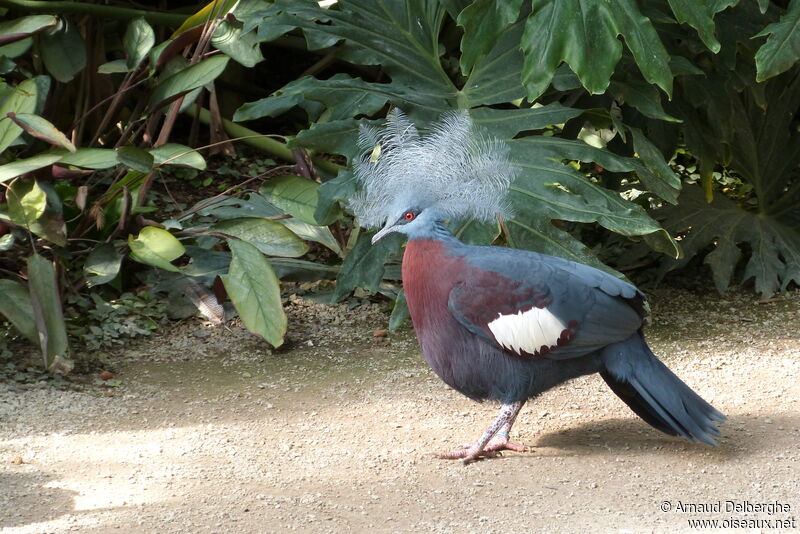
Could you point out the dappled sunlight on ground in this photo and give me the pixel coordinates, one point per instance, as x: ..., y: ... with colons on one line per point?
x: 341, y: 438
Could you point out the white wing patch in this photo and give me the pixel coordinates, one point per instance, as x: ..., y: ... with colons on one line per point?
x: 527, y: 331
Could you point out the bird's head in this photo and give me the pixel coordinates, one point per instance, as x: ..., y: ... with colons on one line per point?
x: 409, y: 182
x: 411, y: 221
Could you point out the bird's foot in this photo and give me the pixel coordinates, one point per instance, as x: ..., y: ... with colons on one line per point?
x: 470, y: 452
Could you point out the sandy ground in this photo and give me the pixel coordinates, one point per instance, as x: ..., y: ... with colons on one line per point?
x: 209, y: 431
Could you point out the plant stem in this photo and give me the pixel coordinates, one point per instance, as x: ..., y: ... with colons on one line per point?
x: 270, y: 146
x: 98, y: 10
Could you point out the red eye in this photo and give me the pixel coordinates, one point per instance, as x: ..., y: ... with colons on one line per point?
x: 409, y: 216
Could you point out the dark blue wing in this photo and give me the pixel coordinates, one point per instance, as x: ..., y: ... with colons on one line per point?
x: 532, y: 305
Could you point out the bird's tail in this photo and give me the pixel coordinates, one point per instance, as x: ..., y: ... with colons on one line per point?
x: 659, y: 397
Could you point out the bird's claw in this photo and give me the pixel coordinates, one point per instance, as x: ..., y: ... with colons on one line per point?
x: 470, y: 452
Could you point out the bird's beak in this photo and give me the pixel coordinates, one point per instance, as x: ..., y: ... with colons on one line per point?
x: 388, y: 229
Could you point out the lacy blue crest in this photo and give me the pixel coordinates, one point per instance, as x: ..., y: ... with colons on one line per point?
x: 455, y: 170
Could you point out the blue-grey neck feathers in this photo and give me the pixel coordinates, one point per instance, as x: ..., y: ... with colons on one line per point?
x: 455, y: 171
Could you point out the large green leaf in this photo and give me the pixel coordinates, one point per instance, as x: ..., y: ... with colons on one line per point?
x: 402, y: 37
x: 663, y: 182
x: 484, y: 22
x: 12, y: 51
x: 138, y: 41
x: 298, y: 197
x: 341, y: 95
x: 156, y: 247
x: 38, y: 209
x: 311, y: 232
x: 531, y: 231
x: 761, y: 143
x: 775, y: 247
x: 206, y: 265
x: 339, y: 189
x: 255, y: 292
x: 16, y: 307
x: 243, y: 47
x: 270, y: 237
x: 507, y: 123
x: 42, y: 128
x: 26, y: 202
x: 408, y: 51
x: 213, y: 9
x: 584, y: 35
x: 46, y: 305
x: 257, y: 206
x: 545, y: 189
x: 24, y: 27
x: 495, y: 78
x: 660, y: 178
x: 642, y: 96
x: 188, y: 79
x: 475, y: 233
x: 22, y: 166
x: 303, y: 271
x: 63, y: 51
x: 175, y: 154
x: 102, y: 265
x: 365, y: 264
x: 89, y: 158
x: 782, y: 49
x: 115, y: 66
x: 699, y: 14
x: 454, y: 7
x: 135, y: 158
x: 22, y: 100
x: 399, y: 311
x: 335, y: 137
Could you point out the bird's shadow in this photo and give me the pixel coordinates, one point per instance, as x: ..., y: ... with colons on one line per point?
x: 742, y: 435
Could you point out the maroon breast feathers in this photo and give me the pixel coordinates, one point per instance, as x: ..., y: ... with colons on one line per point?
x: 515, y: 316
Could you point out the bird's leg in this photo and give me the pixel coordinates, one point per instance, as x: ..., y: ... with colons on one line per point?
x: 494, y: 440
x: 500, y: 441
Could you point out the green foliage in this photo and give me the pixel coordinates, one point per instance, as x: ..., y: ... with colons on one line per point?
x: 253, y: 287
x: 762, y: 145
x: 557, y: 52
x: 46, y: 305
x: 186, y: 80
x: 420, y: 84
x: 774, y: 261
x: 63, y: 51
x: 584, y: 35
x: 364, y: 266
x: 177, y: 155
x: 139, y: 39
x: 782, y: 49
x: 270, y: 237
x: 299, y: 198
x: 594, y: 98
x: 42, y: 128
x: 67, y: 192
x: 24, y: 166
x: 700, y: 16
x: 102, y: 265
x: 97, y: 324
x: 156, y: 247
x: 22, y: 28
x: 21, y: 100
x: 16, y: 307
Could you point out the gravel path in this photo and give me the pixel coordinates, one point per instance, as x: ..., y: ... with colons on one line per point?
x: 210, y: 431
